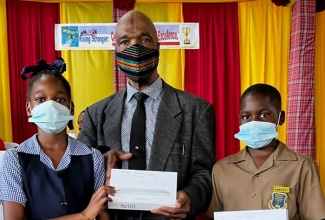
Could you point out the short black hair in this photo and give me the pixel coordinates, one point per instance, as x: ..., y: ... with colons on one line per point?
x: 266, y: 90
x: 49, y: 73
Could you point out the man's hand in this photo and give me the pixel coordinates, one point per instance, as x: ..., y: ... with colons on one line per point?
x: 181, y: 209
x: 111, y: 158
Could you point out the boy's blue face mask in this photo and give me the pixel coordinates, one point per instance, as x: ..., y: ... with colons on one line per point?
x: 257, y: 134
x: 51, y: 117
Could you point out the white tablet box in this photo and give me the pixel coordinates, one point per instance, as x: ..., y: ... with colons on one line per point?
x: 143, y: 190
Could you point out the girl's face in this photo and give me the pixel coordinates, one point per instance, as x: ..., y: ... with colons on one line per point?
x: 47, y: 88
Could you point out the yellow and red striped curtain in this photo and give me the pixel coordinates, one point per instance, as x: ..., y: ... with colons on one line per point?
x: 98, y: 68
x: 171, y: 62
x: 143, y: 1
x: 264, y: 47
x: 5, y: 114
x: 90, y: 72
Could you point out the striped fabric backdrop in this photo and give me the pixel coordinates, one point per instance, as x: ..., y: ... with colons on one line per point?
x: 120, y: 79
x: 301, y: 133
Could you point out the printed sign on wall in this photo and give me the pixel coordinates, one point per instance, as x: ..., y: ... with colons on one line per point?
x: 101, y: 36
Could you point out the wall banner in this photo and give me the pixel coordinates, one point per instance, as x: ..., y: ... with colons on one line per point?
x: 101, y: 36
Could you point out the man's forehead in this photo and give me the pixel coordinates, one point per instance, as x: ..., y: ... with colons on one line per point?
x: 139, y: 28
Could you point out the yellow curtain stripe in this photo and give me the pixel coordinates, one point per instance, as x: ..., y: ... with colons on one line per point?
x: 5, y: 111
x: 90, y: 73
x: 320, y: 94
x: 264, y: 39
x: 171, y: 62
x: 144, y: 1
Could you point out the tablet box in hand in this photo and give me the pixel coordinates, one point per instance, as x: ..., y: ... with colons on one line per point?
x: 143, y: 190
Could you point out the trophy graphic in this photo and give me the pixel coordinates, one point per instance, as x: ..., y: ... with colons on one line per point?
x: 186, y: 31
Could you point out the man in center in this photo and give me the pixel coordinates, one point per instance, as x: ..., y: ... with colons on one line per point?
x: 179, y: 127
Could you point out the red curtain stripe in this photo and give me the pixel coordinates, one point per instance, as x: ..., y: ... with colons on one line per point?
x: 125, y: 4
x: 213, y: 71
x: 30, y: 37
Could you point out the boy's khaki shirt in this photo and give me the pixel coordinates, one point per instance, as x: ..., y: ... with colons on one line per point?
x: 286, y: 180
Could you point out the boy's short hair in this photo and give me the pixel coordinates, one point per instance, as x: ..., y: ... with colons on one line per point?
x: 266, y: 90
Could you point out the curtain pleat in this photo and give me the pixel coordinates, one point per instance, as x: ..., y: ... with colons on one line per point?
x: 30, y: 37
x: 90, y: 72
x: 171, y: 62
x: 120, y: 79
x: 5, y: 110
x: 144, y: 1
x: 300, y: 121
x: 212, y: 72
x: 264, y: 47
x: 320, y: 94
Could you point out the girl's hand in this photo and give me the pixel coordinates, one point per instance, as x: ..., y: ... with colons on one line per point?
x: 98, y: 202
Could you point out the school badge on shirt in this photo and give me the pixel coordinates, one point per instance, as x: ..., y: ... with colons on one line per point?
x: 279, y: 197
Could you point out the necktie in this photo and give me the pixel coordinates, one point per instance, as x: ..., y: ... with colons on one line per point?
x: 138, y: 134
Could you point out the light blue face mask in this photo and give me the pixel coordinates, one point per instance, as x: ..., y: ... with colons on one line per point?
x: 51, y: 117
x: 257, y: 134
